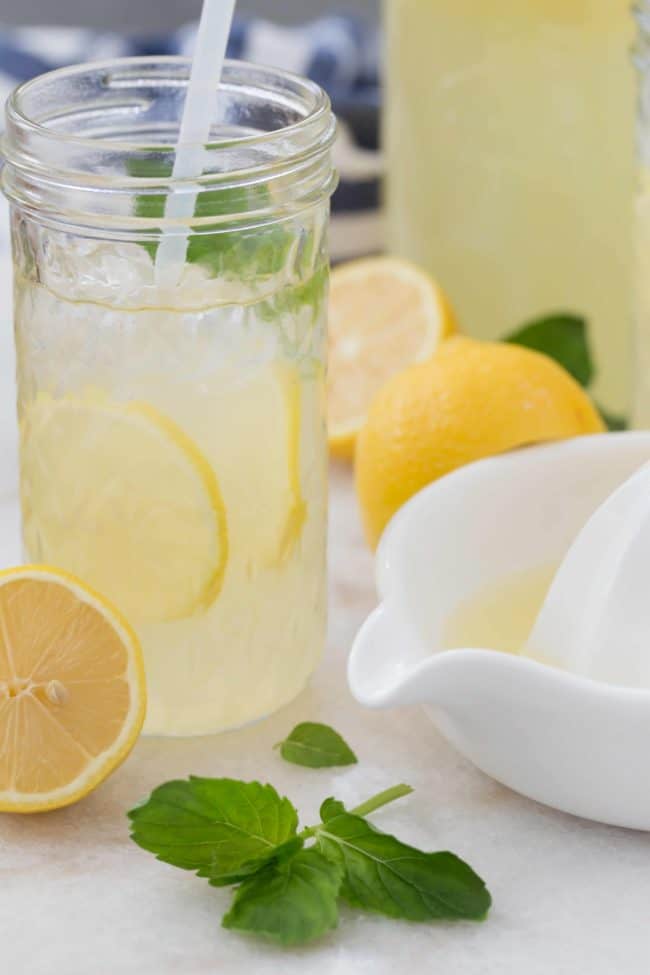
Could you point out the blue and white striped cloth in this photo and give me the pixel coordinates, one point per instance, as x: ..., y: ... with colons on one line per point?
x: 340, y: 52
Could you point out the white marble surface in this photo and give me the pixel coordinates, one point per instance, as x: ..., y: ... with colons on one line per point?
x: 78, y: 898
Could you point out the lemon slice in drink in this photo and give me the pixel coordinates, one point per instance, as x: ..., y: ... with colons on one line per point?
x: 384, y: 314
x: 296, y: 506
x: 119, y: 495
x: 72, y: 690
x: 256, y: 449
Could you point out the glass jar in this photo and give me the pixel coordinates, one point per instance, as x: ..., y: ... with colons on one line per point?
x: 510, y: 141
x: 172, y: 434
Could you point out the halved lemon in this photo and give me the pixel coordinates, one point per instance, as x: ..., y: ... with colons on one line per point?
x: 72, y: 689
x: 384, y: 314
x: 119, y: 495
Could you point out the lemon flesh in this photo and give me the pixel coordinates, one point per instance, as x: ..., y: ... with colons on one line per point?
x: 384, y: 314
x: 72, y: 691
x: 119, y: 495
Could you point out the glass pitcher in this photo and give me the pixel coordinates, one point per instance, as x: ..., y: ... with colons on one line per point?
x: 511, y: 159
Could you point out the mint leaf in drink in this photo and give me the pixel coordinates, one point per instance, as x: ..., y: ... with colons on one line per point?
x: 292, y: 901
x: 149, y: 205
x: 244, y: 253
x: 316, y: 746
x: 384, y: 875
x: 261, y: 250
x: 221, y: 249
x: 564, y: 338
x: 223, y: 829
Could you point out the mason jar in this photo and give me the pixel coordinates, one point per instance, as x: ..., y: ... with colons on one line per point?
x: 170, y: 338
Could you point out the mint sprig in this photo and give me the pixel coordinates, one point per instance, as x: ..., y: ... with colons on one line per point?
x: 316, y: 746
x: 245, y: 833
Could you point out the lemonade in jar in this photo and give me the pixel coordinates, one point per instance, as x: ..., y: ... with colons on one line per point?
x: 172, y: 442
x: 509, y: 133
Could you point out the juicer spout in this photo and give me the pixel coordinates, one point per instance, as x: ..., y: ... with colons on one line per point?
x: 382, y: 661
x: 391, y: 666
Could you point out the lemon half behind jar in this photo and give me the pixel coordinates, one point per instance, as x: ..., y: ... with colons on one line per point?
x: 385, y: 314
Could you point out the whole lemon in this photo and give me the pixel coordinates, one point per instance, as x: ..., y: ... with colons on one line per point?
x: 471, y: 400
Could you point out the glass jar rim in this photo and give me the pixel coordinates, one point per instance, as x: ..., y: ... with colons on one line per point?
x: 303, y: 86
x: 88, y: 172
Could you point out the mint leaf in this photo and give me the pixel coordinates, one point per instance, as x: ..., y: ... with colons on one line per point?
x: 384, y: 875
x: 290, y: 299
x: 316, y: 746
x: 223, y: 829
x: 150, y: 206
x: 293, y: 901
x: 563, y: 337
x: 613, y: 422
x: 244, y: 253
x: 220, y: 250
x: 330, y: 808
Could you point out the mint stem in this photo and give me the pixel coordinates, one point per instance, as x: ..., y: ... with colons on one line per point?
x: 375, y: 802
x: 381, y: 799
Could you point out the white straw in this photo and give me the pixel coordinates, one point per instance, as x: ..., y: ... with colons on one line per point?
x: 198, y: 112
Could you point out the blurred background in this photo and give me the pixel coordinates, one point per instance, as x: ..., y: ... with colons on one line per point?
x: 161, y: 15
x: 337, y: 46
x: 471, y: 140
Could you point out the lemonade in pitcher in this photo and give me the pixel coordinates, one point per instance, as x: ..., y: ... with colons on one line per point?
x: 172, y: 427
x: 509, y: 133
